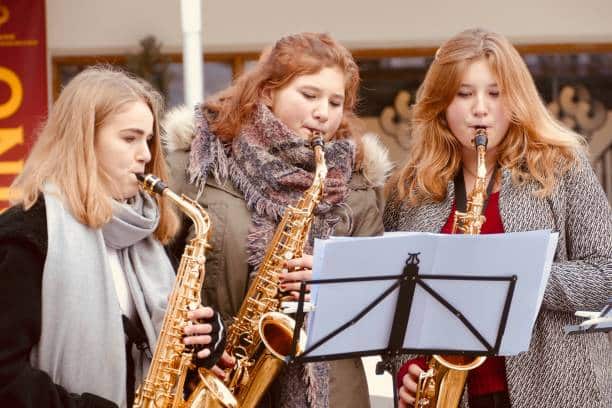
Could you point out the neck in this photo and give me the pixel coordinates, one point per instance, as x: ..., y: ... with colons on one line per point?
x: 472, y: 173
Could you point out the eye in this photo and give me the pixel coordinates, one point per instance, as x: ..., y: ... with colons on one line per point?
x: 463, y: 94
x: 335, y: 104
x: 494, y: 94
x: 129, y: 138
x: 308, y: 95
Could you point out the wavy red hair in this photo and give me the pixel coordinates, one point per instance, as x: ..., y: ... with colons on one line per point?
x: 536, y: 147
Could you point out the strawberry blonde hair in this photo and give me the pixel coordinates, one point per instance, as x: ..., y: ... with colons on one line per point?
x: 290, y: 57
x: 64, y: 152
x: 535, y: 148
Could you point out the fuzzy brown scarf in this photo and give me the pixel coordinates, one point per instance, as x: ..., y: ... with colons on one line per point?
x: 272, y: 167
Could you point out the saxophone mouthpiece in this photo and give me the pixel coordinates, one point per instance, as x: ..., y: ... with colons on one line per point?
x: 151, y: 183
x: 316, y: 139
x: 481, y: 138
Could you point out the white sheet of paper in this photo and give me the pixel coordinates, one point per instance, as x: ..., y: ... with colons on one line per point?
x: 528, y: 255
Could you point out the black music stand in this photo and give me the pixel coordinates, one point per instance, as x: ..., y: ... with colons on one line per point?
x: 406, y: 283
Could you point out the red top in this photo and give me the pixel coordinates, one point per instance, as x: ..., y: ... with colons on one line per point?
x: 490, y: 377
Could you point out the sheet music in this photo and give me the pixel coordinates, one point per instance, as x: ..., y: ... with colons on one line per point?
x: 528, y: 255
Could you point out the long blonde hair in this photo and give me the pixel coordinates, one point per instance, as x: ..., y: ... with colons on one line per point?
x: 64, y: 152
x: 536, y: 147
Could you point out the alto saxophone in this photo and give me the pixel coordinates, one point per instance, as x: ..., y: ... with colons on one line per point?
x: 163, y: 386
x: 261, y: 337
x: 442, y: 385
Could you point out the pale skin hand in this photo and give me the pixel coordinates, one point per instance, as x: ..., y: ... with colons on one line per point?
x: 226, y: 361
x: 298, y: 269
x: 408, y: 389
x: 199, y: 333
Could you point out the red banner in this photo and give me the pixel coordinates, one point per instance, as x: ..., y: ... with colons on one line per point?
x: 23, y: 84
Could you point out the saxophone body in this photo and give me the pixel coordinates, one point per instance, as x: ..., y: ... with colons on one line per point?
x: 163, y: 386
x: 442, y: 385
x: 260, y: 336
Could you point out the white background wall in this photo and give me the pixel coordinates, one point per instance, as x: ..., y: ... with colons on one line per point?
x: 108, y: 26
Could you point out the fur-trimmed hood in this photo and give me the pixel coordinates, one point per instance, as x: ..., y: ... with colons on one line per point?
x: 179, y: 130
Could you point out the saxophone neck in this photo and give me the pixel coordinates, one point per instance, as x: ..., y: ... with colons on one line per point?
x: 481, y: 171
x: 153, y: 185
x: 193, y: 210
x: 480, y: 142
x: 318, y: 144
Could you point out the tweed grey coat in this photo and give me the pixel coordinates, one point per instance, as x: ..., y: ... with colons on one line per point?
x: 558, y: 370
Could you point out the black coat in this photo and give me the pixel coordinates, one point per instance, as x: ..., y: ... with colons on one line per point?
x: 23, y: 250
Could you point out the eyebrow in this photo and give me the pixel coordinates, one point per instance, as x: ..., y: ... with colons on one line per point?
x: 494, y: 84
x: 139, y: 131
x: 314, y: 88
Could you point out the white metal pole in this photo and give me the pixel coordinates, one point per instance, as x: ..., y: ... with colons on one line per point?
x: 193, y: 73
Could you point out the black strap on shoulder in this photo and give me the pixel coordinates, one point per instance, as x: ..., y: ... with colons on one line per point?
x: 460, y: 193
x: 176, y: 247
x: 135, y: 337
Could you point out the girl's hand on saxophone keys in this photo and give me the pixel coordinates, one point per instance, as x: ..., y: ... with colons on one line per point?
x: 226, y: 361
x: 407, y: 391
x: 200, y: 332
x: 297, y: 270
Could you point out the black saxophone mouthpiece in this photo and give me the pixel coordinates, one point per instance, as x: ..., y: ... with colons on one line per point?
x: 481, y: 138
x: 151, y: 183
x: 316, y: 141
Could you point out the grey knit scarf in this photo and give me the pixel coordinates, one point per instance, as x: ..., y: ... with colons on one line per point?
x: 82, y: 343
x: 272, y: 167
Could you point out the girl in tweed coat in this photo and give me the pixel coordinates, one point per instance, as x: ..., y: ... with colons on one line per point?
x: 541, y: 179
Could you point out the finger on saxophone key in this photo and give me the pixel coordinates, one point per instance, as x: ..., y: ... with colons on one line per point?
x: 408, y: 388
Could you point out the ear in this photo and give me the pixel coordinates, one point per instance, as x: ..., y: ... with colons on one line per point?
x: 267, y: 97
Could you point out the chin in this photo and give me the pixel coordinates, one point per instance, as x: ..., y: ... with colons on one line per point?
x: 130, y: 192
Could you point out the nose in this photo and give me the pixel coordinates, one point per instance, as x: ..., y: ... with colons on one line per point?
x: 321, y: 111
x: 480, y: 108
x: 143, y: 154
